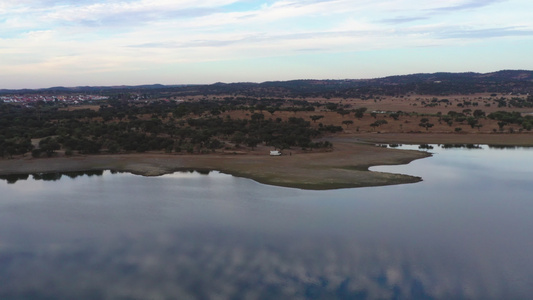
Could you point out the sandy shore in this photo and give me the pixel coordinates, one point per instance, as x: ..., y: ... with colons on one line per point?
x: 344, y: 167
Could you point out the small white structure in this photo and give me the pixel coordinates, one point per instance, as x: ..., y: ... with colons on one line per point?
x: 275, y: 153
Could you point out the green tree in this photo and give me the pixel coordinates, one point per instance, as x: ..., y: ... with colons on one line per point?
x: 472, y: 121
x: 252, y: 142
x: 342, y: 112
x: 315, y: 118
x: 360, y: 112
x: 272, y: 110
x: 347, y: 122
x: 478, y: 113
x: 49, y: 146
x: 424, y: 122
x: 378, y: 123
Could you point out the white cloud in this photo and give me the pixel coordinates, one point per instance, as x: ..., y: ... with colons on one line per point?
x: 103, y: 32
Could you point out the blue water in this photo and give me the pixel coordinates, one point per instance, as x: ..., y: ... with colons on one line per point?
x: 464, y: 232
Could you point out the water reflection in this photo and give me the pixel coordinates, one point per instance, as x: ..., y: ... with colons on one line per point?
x: 462, y: 233
x: 467, y: 146
x: 55, y: 176
x: 507, y: 147
x: 14, y: 178
x: 453, y: 146
x: 219, y: 265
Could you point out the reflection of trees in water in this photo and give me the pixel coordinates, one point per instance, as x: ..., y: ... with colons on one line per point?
x: 461, y: 146
x: 14, y: 177
x: 506, y: 147
x: 197, y: 170
x: 11, y: 179
x: 209, y: 266
x: 47, y: 176
x: 54, y: 176
x: 475, y: 146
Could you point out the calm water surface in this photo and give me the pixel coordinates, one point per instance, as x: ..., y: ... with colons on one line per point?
x: 465, y: 232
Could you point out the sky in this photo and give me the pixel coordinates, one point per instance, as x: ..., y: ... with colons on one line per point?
x: 45, y: 43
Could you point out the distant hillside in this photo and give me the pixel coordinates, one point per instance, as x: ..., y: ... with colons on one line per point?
x: 507, y: 81
x: 90, y: 89
x: 428, y: 84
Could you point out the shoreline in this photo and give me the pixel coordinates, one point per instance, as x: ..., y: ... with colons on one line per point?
x: 346, y: 166
x: 496, y: 139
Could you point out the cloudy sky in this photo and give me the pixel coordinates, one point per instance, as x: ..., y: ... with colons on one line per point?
x: 47, y: 43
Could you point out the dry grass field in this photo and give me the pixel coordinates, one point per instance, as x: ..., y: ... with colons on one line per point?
x: 406, y: 127
x: 413, y: 109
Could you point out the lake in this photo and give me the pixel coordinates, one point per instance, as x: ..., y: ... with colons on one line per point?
x: 464, y: 232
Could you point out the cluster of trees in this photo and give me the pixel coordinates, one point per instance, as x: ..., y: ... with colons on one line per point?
x: 515, y: 102
x: 424, y: 122
x: 520, y: 103
x: 14, y: 146
x: 120, y: 126
x: 468, y: 116
x: 378, y: 123
x: 505, y: 118
x: 473, y: 119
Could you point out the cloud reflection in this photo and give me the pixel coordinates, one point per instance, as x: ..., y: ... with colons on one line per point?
x: 215, y: 265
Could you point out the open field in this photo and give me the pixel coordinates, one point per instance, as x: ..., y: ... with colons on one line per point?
x: 423, y: 104
x: 405, y: 123
x: 411, y: 109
